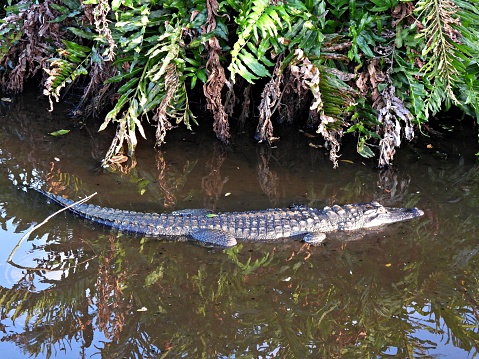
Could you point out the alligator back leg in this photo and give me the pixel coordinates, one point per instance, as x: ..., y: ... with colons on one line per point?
x: 215, y: 237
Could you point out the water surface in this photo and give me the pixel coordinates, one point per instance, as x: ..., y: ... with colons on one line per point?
x: 77, y: 289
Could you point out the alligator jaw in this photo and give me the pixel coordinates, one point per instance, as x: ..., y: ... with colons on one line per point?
x: 384, y: 215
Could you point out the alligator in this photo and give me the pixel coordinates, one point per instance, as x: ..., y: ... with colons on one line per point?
x: 224, y: 229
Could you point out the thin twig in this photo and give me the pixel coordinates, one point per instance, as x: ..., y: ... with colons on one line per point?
x: 26, y: 235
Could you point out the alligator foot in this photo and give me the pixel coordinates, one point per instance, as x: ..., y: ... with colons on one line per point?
x: 315, y: 238
x: 216, y: 237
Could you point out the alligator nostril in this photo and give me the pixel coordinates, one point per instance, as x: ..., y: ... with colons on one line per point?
x: 419, y: 212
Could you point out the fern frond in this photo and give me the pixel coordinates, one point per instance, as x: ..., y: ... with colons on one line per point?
x: 11, y: 30
x: 258, y: 22
x: 443, y: 53
x: 154, y: 83
x: 63, y: 71
x: 331, y: 99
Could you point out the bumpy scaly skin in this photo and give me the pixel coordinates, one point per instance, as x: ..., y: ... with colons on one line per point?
x: 224, y: 229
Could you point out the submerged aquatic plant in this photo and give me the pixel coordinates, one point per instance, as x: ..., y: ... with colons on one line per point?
x: 378, y: 69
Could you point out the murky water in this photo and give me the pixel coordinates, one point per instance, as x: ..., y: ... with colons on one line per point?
x: 77, y: 290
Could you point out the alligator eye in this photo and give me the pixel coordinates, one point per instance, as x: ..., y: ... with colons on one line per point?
x: 376, y: 210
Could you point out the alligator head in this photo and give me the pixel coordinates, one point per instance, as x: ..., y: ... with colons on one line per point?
x: 376, y: 215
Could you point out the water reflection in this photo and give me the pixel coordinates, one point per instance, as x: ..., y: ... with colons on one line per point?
x: 268, y: 179
x: 146, y: 299
x: 410, y: 290
x: 213, y: 182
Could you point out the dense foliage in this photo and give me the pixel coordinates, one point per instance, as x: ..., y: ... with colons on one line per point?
x: 375, y: 68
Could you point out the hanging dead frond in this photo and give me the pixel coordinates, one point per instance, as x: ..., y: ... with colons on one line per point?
x: 270, y: 97
x: 230, y: 99
x: 295, y: 96
x: 391, y: 114
x: 161, y: 112
x: 333, y: 137
x: 216, y: 77
x: 100, y: 14
x: 324, y: 114
x: 245, y: 107
x: 116, y: 146
x: 29, y: 46
x: 162, y: 125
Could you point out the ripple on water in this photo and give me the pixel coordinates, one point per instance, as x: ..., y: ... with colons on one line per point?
x: 28, y: 255
x: 11, y: 275
x: 21, y: 275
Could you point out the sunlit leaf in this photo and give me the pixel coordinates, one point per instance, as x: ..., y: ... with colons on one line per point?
x: 59, y: 133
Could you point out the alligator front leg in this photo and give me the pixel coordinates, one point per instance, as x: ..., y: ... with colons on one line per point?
x: 314, y: 238
x: 215, y: 237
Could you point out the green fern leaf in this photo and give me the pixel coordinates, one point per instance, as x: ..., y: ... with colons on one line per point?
x: 122, y: 101
x: 81, y: 33
x: 247, y: 21
x: 128, y: 85
x: 253, y: 64
x: 123, y: 76
x: 243, y: 71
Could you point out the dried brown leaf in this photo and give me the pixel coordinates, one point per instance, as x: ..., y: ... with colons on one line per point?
x: 391, y: 113
x: 245, y: 106
x: 216, y: 77
x: 100, y: 15
x: 269, y: 98
x: 32, y: 52
x: 161, y: 112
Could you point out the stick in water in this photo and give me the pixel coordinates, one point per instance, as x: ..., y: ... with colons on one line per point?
x: 26, y: 235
